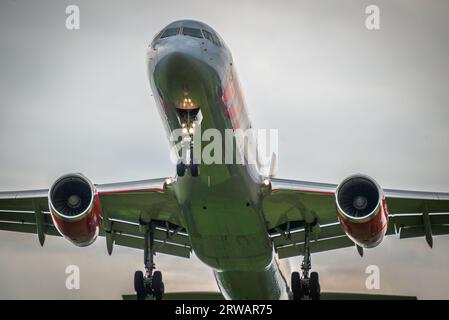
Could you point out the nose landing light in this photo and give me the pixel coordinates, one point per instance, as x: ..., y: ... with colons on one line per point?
x: 187, y: 104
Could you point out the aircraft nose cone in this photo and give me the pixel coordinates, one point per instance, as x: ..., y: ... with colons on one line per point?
x: 74, y: 201
x: 360, y: 202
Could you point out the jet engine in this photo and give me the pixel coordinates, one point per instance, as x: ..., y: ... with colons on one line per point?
x: 362, y: 210
x: 75, y: 209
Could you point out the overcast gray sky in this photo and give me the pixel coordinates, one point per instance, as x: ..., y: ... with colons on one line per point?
x: 344, y: 99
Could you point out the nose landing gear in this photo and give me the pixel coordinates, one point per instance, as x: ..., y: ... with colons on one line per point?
x: 183, y: 164
x: 307, y: 286
x: 151, y: 283
x: 189, y: 120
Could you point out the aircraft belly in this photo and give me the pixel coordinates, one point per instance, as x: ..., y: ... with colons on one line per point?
x: 226, y: 230
x: 256, y: 285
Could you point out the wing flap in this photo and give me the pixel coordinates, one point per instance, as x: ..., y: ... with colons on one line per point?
x: 297, y: 237
x: 315, y: 246
x: 27, y: 228
x: 168, y: 238
x: 18, y: 216
x: 417, y: 219
x: 160, y: 234
x: 159, y: 246
x: 18, y: 227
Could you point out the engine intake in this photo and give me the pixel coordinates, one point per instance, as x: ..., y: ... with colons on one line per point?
x: 358, y: 197
x: 71, y: 196
x: 75, y: 209
x: 362, y: 210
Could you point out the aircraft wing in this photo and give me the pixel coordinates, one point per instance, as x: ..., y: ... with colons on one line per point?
x: 123, y: 207
x: 293, y: 202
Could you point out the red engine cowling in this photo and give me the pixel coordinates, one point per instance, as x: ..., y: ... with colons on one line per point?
x: 362, y: 210
x: 75, y: 209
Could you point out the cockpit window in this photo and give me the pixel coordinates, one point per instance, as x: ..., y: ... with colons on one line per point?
x: 208, y: 35
x: 192, y: 32
x: 211, y: 37
x: 170, y: 32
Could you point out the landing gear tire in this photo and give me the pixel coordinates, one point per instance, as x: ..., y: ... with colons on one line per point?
x: 194, y: 170
x: 314, y: 286
x: 157, y: 285
x: 296, y: 286
x: 180, y: 169
x: 158, y: 295
x: 139, y: 285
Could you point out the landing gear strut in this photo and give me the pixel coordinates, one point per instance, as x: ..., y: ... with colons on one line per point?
x: 183, y: 165
x: 307, y: 285
x: 149, y: 283
x: 189, y: 122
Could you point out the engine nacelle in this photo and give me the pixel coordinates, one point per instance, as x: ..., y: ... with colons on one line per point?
x: 75, y: 209
x: 362, y: 210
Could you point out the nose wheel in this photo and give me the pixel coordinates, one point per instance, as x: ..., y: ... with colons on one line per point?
x: 181, y: 169
x: 151, y: 282
x: 307, y: 284
x: 193, y: 167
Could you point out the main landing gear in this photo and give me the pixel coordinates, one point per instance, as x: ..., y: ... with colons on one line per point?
x: 307, y: 286
x: 151, y: 282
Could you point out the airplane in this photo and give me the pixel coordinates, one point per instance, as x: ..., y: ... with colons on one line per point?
x: 238, y: 221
